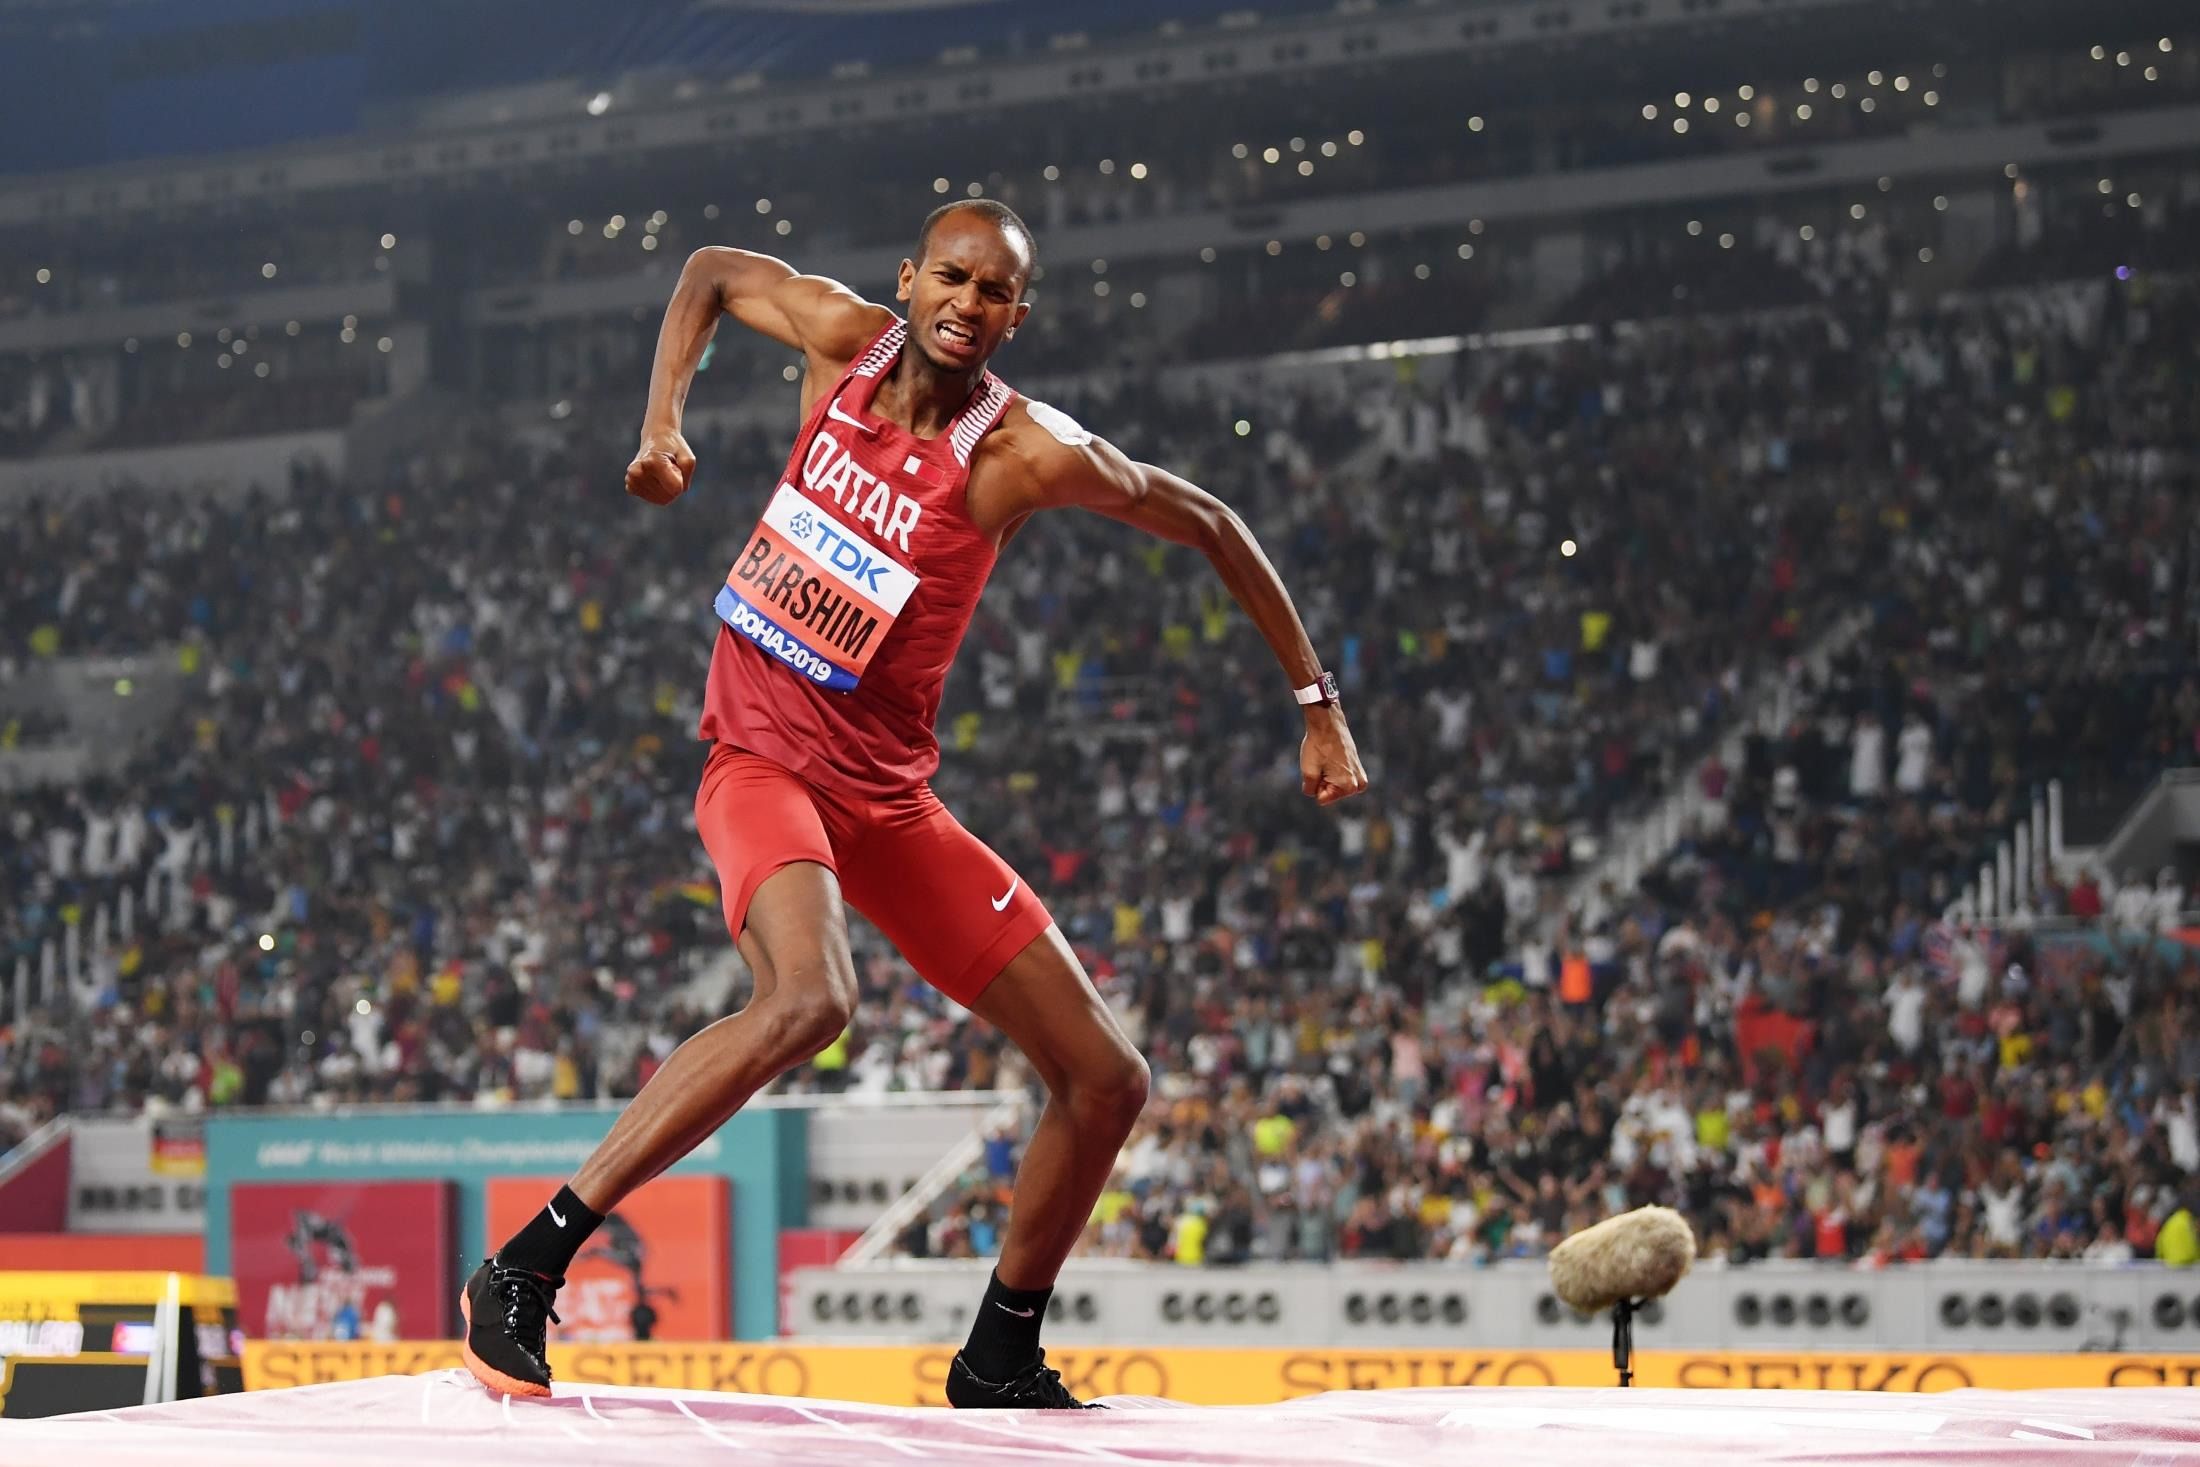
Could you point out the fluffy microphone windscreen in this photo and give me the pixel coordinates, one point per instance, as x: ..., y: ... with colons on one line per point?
x: 1637, y: 1255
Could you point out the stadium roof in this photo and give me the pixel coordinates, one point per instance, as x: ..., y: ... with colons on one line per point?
x: 88, y: 82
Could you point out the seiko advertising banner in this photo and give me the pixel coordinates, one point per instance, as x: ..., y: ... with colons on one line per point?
x: 897, y: 1375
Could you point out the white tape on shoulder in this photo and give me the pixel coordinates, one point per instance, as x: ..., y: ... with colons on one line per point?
x: 1057, y: 422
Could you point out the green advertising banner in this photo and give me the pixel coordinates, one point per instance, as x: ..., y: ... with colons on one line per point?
x: 761, y: 1152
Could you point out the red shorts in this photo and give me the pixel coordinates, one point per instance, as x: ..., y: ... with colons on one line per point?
x: 956, y: 911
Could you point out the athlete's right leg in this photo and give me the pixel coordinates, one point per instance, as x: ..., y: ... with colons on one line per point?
x: 805, y: 993
x: 767, y: 839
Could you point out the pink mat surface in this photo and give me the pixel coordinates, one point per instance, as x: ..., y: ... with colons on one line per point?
x: 444, y: 1418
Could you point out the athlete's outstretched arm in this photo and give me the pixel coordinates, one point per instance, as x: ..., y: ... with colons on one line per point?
x: 823, y: 319
x: 1066, y: 466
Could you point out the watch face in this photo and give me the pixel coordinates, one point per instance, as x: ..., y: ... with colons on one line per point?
x: 1329, y: 687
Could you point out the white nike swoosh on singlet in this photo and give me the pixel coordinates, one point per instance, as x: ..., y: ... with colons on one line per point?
x: 1000, y: 903
x: 832, y: 410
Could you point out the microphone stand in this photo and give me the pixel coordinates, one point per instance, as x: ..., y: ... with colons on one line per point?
x: 1623, y: 1340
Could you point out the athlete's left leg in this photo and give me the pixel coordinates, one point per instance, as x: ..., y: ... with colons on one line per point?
x: 975, y: 931
x: 978, y: 933
x: 1096, y: 1087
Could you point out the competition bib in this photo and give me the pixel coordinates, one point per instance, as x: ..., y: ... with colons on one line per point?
x: 812, y: 593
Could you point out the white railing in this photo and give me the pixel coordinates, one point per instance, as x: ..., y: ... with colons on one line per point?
x: 1636, y: 847
x: 31, y: 1147
x: 880, y: 1235
x: 2022, y: 864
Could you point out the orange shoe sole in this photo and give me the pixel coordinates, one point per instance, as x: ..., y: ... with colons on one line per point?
x: 489, y: 1375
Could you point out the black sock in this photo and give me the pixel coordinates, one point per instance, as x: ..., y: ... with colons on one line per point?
x: 547, y: 1244
x: 1004, y: 1338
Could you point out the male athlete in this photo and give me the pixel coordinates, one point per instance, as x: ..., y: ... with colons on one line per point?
x: 913, y: 467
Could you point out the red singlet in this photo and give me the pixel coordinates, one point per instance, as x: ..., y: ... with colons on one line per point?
x: 848, y: 602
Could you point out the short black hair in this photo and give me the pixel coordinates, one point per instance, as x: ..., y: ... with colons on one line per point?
x: 1002, y: 217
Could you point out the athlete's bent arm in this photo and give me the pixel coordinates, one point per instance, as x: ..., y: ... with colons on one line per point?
x: 1064, y: 467
x: 822, y: 319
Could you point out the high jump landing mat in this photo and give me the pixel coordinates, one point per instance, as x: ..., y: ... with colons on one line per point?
x: 445, y: 1420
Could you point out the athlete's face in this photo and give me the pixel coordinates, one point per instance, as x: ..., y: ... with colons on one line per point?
x: 967, y: 293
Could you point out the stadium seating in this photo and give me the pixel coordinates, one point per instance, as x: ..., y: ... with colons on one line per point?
x: 423, y: 833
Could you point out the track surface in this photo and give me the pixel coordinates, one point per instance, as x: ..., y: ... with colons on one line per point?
x: 446, y: 1420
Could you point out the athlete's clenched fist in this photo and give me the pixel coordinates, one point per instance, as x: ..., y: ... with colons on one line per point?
x: 1329, y: 762
x: 662, y: 468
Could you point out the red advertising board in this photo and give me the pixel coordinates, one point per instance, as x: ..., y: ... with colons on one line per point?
x: 807, y: 1248
x: 658, y: 1268
x: 102, y: 1252
x: 318, y: 1260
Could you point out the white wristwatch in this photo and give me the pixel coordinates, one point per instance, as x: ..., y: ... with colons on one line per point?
x: 1322, y: 690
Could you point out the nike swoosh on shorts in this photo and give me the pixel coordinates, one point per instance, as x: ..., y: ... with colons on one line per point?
x: 1000, y: 904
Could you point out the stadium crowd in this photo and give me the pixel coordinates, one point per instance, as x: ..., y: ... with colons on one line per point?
x: 423, y: 828
x: 422, y: 833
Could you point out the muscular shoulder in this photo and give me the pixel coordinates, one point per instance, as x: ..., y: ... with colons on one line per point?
x: 1059, y: 426
x: 841, y: 323
x: 818, y: 316
x: 1043, y: 451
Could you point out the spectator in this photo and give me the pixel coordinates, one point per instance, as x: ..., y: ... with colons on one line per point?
x: 2178, y: 1242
